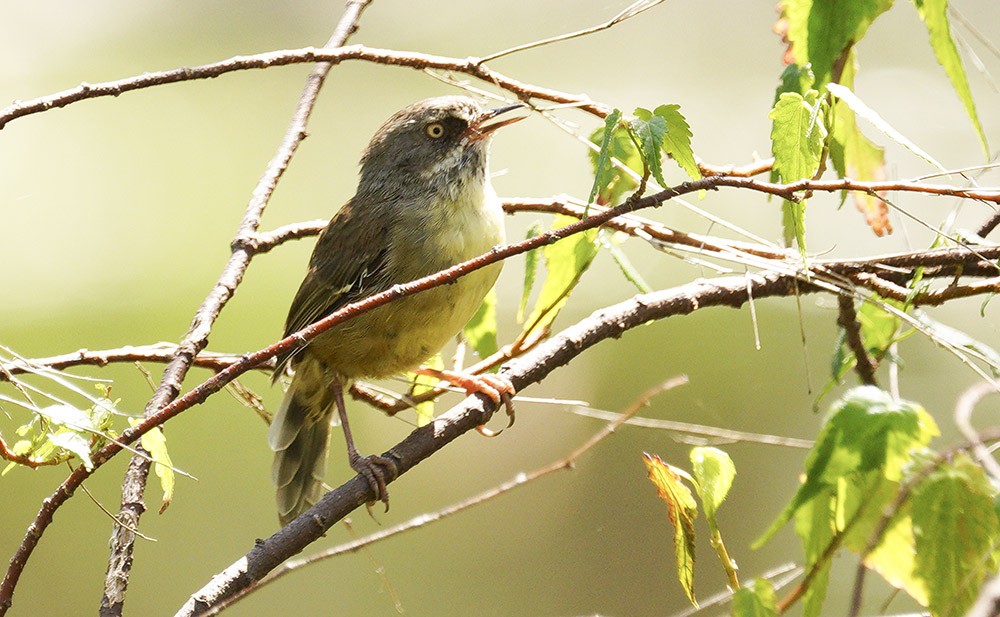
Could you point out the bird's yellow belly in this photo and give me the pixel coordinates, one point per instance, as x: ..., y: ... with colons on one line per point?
x: 397, y: 337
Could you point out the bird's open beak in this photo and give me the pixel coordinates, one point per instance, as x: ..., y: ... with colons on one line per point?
x: 490, y: 120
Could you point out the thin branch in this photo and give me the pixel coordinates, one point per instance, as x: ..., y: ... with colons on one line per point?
x: 134, y: 483
x: 157, y: 352
x: 963, y: 419
x: 306, y: 55
x: 847, y: 319
x: 566, y: 463
x: 634, y: 9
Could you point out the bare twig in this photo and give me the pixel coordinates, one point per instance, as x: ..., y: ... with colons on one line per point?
x: 847, y: 319
x: 133, y: 485
x: 634, y: 9
x: 963, y: 419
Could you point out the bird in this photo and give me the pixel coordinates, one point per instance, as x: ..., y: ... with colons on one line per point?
x: 424, y: 202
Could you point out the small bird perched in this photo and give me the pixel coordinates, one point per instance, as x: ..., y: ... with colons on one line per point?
x: 424, y: 203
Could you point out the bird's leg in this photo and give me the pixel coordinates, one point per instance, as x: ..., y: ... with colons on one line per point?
x: 374, y: 468
x: 496, y: 387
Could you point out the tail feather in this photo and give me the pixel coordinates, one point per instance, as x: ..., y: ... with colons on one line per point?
x: 299, y: 436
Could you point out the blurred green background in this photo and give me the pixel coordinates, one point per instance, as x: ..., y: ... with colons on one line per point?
x: 115, y: 220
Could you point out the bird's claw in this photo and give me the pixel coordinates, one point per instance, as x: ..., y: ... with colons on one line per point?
x: 375, y: 470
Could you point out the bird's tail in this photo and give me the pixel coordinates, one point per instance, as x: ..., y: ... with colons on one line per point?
x: 299, y: 436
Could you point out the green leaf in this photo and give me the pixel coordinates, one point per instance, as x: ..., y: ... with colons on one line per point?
x: 821, y: 32
x: 793, y: 223
x: 934, y: 13
x: 565, y: 261
x: 481, y: 331
x: 682, y: 510
x: 612, y: 182
x: 602, y: 163
x: 677, y: 140
x: 530, y: 270
x: 714, y: 471
x: 813, y: 526
x: 650, y: 129
x: 755, y: 599
x: 955, y: 527
x: 797, y: 135
x: 797, y: 138
x: 866, y: 431
x: 155, y: 442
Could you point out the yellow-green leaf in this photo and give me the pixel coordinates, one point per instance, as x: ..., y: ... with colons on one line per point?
x: 756, y: 599
x: 677, y: 139
x: 935, y: 16
x: 481, y: 331
x: 956, y: 529
x: 681, y: 510
x: 565, y: 262
x: 714, y: 471
x: 155, y: 442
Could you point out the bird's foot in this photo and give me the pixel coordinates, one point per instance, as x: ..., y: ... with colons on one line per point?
x: 376, y: 469
x: 496, y: 387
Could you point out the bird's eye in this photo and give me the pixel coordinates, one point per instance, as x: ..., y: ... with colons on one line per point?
x: 435, y: 130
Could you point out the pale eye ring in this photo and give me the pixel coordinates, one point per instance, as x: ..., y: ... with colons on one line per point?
x: 435, y: 130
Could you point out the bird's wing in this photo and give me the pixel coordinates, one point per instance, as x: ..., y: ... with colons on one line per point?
x: 347, y: 264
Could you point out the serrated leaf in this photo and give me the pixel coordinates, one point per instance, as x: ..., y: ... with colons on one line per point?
x: 955, y: 527
x: 865, y: 431
x: 612, y: 182
x: 893, y: 557
x: 682, y: 510
x: 602, y: 162
x: 650, y: 130
x: 797, y: 138
x: 530, y: 271
x: 797, y: 135
x: 677, y: 139
x: 755, y: 599
x: 565, y: 262
x: 155, y: 442
x: 934, y: 13
x: 714, y: 471
x: 821, y: 32
x: 481, y: 331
